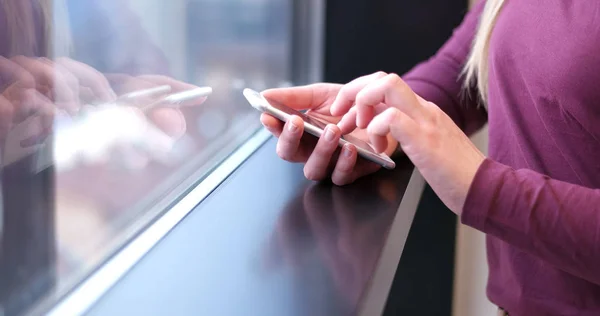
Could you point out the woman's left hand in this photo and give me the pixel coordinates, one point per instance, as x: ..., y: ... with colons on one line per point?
x: 444, y: 155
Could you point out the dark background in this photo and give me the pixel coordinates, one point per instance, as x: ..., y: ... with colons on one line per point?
x: 365, y: 36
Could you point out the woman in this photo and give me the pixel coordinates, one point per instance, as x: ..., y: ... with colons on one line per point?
x: 535, y: 66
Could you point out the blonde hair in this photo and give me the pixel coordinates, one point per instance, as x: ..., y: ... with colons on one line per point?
x: 21, y: 21
x: 476, y: 68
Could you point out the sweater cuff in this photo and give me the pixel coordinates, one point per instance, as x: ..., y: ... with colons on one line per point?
x: 483, y: 193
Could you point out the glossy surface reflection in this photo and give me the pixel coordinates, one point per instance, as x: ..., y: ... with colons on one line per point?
x: 345, y: 228
x: 92, y: 144
x: 269, y: 242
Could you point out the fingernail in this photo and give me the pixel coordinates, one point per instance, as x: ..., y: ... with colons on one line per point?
x: 347, y: 151
x: 293, y: 127
x: 329, y: 134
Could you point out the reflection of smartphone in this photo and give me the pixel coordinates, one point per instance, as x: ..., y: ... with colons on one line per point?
x: 315, y: 127
x: 170, y: 100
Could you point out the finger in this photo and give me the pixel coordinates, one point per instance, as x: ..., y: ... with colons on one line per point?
x: 344, y: 169
x: 177, y: 86
x: 403, y: 128
x: 6, y: 116
x: 290, y: 230
x: 346, y: 97
x: 42, y: 118
x: 355, y: 241
x: 304, y: 97
x: 317, y: 166
x: 39, y: 133
x: 170, y: 121
x: 392, y: 91
x: 379, y: 143
x: 348, y: 122
x: 87, y: 96
x: 272, y: 124
x: 12, y: 74
x: 64, y: 86
x: 32, y: 103
x: 90, y: 78
x: 289, y: 140
x: 323, y: 224
x: 125, y: 84
x: 364, y: 115
x: 348, y: 223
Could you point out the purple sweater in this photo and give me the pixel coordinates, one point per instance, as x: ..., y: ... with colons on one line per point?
x: 536, y: 195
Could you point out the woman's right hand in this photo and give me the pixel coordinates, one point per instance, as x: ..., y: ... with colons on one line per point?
x: 322, y: 157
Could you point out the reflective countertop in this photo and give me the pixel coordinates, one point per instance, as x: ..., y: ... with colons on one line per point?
x: 270, y: 242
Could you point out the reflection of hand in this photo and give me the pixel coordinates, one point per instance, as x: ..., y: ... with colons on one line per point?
x: 169, y: 119
x: 34, y: 88
x: 150, y: 123
x: 349, y: 238
x: 65, y: 82
x: 351, y: 252
x: 322, y: 157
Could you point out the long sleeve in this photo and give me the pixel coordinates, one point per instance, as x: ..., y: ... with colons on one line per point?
x: 437, y: 79
x: 556, y: 221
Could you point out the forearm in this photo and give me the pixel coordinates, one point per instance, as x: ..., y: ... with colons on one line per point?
x: 554, y: 220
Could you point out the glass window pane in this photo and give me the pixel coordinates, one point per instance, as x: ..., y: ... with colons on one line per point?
x: 93, y: 145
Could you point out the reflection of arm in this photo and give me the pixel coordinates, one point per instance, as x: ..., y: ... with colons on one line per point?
x: 437, y: 80
x: 109, y: 36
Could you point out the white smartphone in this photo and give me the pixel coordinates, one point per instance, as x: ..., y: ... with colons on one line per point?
x: 315, y: 127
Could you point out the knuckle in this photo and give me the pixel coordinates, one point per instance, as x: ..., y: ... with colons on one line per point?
x: 362, y: 97
x: 380, y: 74
x: 311, y: 174
x: 346, y: 92
x: 26, y: 79
x: 283, y: 153
x: 434, y: 117
x: 345, y: 168
x: 429, y: 131
x: 6, y: 108
x: 72, y: 81
x: 323, y: 151
x: 325, y: 148
x: 390, y: 116
x: 28, y: 96
x: 393, y: 114
x: 372, y: 128
x: 395, y: 81
x: 342, y: 180
x: 338, y: 181
x: 394, y: 77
